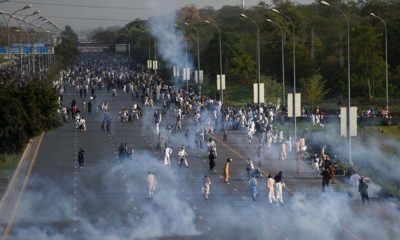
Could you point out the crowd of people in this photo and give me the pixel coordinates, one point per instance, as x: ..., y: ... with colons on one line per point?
x: 186, y: 107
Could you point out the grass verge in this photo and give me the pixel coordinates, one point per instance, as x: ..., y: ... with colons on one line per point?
x: 8, y: 163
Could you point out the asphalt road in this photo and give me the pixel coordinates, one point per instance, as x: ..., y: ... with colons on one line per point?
x: 107, y: 199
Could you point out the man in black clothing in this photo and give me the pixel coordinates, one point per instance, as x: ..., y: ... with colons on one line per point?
x: 211, y: 158
x: 326, y: 177
x: 90, y: 106
x: 121, y: 152
x: 81, y: 157
x: 363, y: 189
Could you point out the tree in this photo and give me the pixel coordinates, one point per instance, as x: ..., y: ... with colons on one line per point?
x: 231, y: 48
x: 273, y: 91
x: 242, y: 69
x: 68, y: 49
x: 69, y: 35
x: 367, y: 61
x: 313, y: 90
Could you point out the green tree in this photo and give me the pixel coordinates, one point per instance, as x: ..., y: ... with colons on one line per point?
x: 68, y: 49
x: 231, y: 51
x: 273, y: 91
x: 242, y: 69
x: 313, y: 90
x: 368, y: 63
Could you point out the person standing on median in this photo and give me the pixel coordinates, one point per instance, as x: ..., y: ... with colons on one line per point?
x: 226, y: 170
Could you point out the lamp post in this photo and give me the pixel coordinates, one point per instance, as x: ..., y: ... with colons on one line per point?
x: 186, y: 59
x: 283, y: 59
x: 258, y: 57
x: 294, y: 69
x: 8, y: 30
x: 386, y: 59
x: 198, y: 53
x: 33, y: 47
x: 20, y: 39
x: 220, y: 56
x: 348, y: 74
x: 42, y: 58
x: 149, y: 45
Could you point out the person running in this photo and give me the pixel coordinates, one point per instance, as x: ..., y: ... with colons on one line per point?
x: 206, y: 186
x: 151, y: 183
x: 226, y: 170
x: 81, y: 158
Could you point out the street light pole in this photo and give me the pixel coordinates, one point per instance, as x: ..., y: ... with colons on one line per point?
x: 294, y: 69
x: 258, y: 58
x: 28, y: 37
x: 186, y: 58
x: 220, y: 57
x: 348, y: 75
x: 386, y: 59
x: 12, y: 15
x: 20, y: 40
x: 283, y: 60
x: 186, y: 63
x: 198, y: 54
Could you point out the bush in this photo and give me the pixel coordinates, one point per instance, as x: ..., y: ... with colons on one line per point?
x: 386, y: 122
x: 26, y: 110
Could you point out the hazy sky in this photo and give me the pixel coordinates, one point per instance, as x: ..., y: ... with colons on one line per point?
x: 88, y: 14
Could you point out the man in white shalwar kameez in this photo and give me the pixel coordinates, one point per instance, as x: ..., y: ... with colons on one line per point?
x: 167, y: 156
x: 271, y: 189
x: 157, y: 129
x: 151, y: 183
x: 354, y: 182
x: 278, y: 192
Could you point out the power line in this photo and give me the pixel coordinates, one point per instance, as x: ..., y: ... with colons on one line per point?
x: 80, y: 5
x: 94, y: 19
